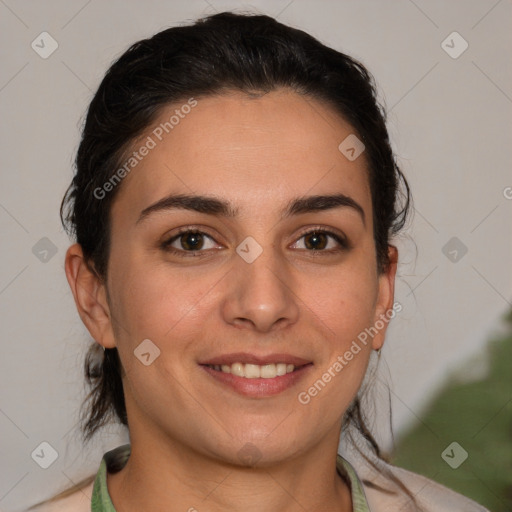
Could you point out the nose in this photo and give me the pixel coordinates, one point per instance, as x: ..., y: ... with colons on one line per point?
x: 260, y: 295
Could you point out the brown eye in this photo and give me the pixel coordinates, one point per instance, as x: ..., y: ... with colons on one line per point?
x: 316, y: 240
x: 323, y: 241
x: 189, y: 241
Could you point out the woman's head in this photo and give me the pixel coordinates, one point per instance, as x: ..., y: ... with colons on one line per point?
x: 272, y: 151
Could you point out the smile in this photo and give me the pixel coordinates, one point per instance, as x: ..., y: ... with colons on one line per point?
x: 257, y: 375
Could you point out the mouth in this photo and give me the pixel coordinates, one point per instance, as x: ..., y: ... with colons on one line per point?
x: 256, y: 376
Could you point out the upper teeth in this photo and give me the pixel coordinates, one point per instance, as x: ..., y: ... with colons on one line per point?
x: 254, y: 371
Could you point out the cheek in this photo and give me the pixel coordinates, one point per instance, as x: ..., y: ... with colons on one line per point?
x: 346, y: 311
x: 346, y: 298
x: 147, y: 302
x: 345, y: 302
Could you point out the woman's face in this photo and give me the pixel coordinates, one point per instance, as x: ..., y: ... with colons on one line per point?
x: 249, y: 284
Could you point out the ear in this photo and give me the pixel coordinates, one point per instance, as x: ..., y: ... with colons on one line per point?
x: 384, y: 310
x: 90, y: 297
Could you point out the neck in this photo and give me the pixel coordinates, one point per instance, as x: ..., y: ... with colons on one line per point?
x: 161, y: 475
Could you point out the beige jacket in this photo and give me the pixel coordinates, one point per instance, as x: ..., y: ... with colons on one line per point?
x: 430, y: 496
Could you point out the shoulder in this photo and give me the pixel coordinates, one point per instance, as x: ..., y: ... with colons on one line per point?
x: 79, y: 501
x: 429, y: 495
x: 434, y: 496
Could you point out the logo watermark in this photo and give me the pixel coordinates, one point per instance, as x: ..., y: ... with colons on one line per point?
x: 304, y: 397
x: 150, y: 143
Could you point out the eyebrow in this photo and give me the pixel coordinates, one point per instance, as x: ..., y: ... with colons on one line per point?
x: 220, y: 208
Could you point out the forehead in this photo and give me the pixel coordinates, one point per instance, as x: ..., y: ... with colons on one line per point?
x: 276, y: 146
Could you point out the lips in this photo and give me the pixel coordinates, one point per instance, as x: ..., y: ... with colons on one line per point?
x: 257, y: 376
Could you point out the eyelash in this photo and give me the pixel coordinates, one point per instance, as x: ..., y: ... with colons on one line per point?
x: 166, y: 245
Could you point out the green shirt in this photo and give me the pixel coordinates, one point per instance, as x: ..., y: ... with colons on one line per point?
x: 115, y: 459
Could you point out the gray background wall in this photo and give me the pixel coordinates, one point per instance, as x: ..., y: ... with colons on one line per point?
x: 450, y: 120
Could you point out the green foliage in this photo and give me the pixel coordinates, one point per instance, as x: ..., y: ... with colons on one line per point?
x: 478, y: 416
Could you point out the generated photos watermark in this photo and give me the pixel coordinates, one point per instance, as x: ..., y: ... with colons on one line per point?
x: 304, y: 397
x: 150, y: 143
